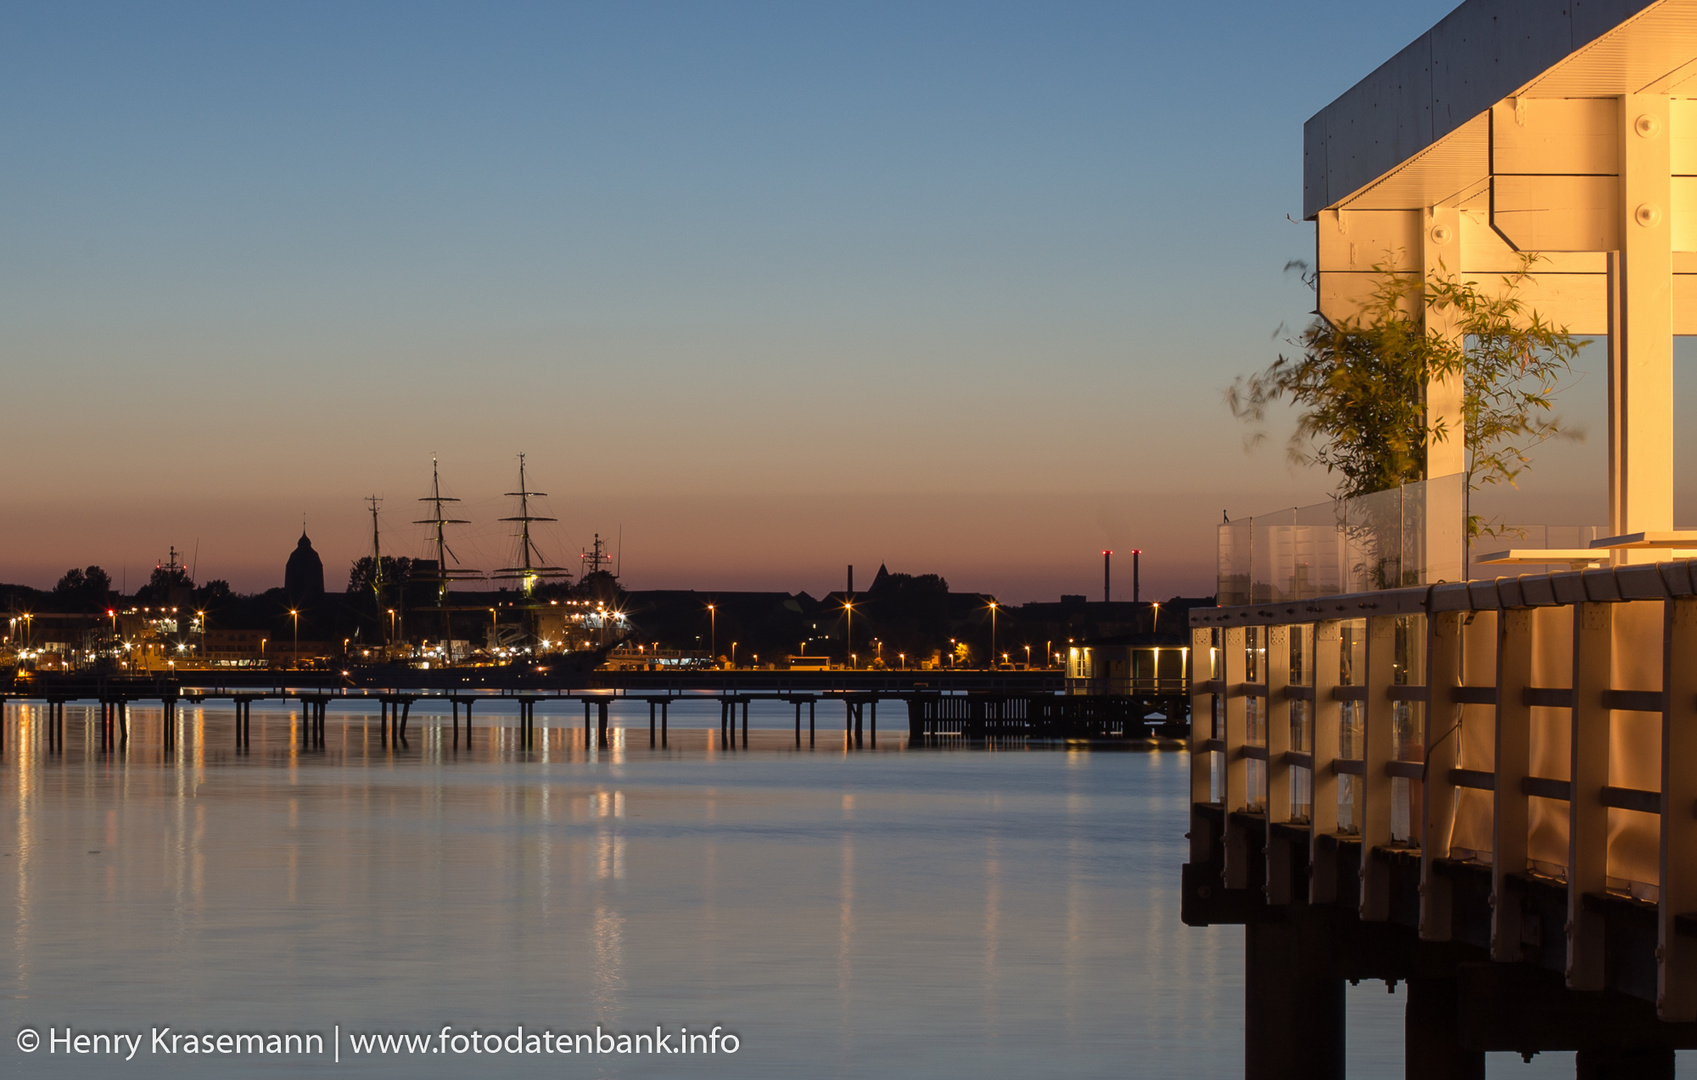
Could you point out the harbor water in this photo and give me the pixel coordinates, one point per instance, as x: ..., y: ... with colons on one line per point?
x: 1001, y: 911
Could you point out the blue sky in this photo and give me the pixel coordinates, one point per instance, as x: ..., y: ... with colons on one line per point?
x: 768, y: 288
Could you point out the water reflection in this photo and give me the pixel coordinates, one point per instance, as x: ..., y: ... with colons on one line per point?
x: 848, y: 913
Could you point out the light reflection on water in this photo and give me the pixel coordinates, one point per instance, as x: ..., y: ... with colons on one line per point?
x: 915, y: 913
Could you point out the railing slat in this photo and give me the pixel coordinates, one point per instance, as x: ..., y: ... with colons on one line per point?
x: 1588, y: 814
x: 1676, y: 983
x: 1378, y: 750
x: 1232, y: 669
x: 1276, y: 709
x: 1544, y: 788
x: 1513, y: 762
x: 1478, y: 779
x: 1548, y: 697
x: 1322, y: 864
x: 1633, y: 700
x: 1443, y: 740
x: 1624, y: 798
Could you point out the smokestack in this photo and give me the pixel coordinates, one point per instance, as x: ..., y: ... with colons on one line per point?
x: 851, y: 581
x: 1135, y: 584
x: 1107, y: 593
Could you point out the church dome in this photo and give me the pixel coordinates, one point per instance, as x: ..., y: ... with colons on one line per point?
x: 304, y: 574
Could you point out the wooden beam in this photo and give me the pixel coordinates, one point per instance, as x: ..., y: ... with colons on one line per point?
x: 1676, y: 954
x: 1323, y: 819
x: 1378, y: 750
x: 1513, y: 764
x: 1443, y: 743
x: 1588, y: 817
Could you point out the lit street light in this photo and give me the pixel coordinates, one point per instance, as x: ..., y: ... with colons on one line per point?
x: 295, y: 656
x: 848, y: 606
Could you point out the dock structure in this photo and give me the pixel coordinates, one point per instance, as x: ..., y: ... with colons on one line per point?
x: 1486, y: 789
x: 933, y: 718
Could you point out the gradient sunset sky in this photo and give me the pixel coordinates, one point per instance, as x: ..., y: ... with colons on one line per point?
x: 763, y: 289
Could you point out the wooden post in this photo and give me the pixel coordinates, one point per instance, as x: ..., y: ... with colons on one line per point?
x: 1588, y: 772
x: 651, y: 723
x: 1443, y: 740
x: 1676, y: 954
x: 1277, y: 711
x: 1233, y: 642
x: 1328, y: 715
x: 1293, y: 1022
x: 1513, y: 765
x: 1201, y: 730
x: 1378, y: 750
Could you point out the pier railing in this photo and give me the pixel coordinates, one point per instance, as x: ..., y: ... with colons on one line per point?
x: 1508, y: 762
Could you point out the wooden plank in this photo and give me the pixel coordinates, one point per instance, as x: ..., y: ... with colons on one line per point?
x: 1587, y: 814
x: 1378, y: 750
x: 1548, y: 697
x: 1557, y: 213
x: 1477, y: 779
x: 1513, y: 761
x: 1633, y: 700
x: 1349, y: 767
x: 1280, y: 869
x: 1233, y: 661
x: 1254, y: 753
x: 1476, y: 695
x: 1407, y: 770
x: 1443, y: 719
x: 1676, y: 979
x: 1542, y: 787
x: 1201, y: 733
x: 1635, y: 799
x: 1322, y: 876
x: 1407, y: 693
x: 1349, y: 693
x: 1300, y: 760
x: 1556, y: 135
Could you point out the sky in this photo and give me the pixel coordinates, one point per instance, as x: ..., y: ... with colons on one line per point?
x: 760, y: 291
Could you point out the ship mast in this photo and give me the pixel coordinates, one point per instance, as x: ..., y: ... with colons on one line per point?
x: 439, y: 523
x: 377, y: 580
x: 528, y: 572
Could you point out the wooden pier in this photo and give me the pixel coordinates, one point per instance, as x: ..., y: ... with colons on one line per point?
x: 933, y: 717
x: 1484, y: 789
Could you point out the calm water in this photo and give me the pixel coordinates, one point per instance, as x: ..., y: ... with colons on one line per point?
x: 986, y: 913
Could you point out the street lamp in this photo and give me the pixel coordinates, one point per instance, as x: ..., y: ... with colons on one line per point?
x: 733, y: 655
x: 1028, y: 656
x: 904, y: 660
x: 992, y: 633
x: 295, y: 656
x: 713, y: 633
x: 391, y: 626
x: 848, y: 606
